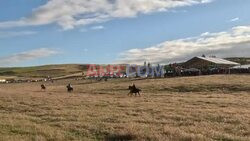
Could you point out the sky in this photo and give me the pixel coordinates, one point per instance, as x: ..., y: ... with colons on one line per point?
x: 38, y: 32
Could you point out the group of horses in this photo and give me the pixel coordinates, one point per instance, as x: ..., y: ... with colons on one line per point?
x: 132, y: 89
x: 69, y: 87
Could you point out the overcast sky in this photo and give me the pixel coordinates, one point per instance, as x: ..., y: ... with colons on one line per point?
x: 41, y: 32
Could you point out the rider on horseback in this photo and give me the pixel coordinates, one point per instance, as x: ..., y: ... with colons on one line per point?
x: 133, y: 86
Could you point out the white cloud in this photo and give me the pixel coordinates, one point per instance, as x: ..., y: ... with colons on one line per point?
x: 8, y: 34
x: 235, y: 42
x: 72, y: 13
x: 26, y: 56
x: 97, y: 27
x: 235, y: 19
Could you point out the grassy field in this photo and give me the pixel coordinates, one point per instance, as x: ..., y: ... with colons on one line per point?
x: 178, y: 109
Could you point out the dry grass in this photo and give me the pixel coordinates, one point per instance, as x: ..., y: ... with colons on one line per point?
x: 184, y: 109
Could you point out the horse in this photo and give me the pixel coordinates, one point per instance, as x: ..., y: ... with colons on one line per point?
x: 134, y: 90
x: 70, y: 88
x: 43, y: 87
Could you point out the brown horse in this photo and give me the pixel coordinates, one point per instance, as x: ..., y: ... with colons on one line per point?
x: 43, y: 87
x: 134, y: 90
x: 70, y: 88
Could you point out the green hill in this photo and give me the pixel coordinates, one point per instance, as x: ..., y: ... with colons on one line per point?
x: 241, y: 60
x: 55, y: 71
x: 43, y: 71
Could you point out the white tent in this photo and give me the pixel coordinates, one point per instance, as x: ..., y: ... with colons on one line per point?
x: 241, y: 67
x: 2, y: 80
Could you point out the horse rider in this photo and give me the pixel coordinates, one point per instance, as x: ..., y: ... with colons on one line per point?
x: 133, y: 86
x: 69, y: 86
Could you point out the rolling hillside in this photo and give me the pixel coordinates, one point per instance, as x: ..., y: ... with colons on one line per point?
x: 43, y: 71
x: 55, y: 71
x: 68, y: 69
x: 241, y: 60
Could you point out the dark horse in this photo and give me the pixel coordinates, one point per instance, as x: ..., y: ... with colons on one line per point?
x: 134, y: 90
x: 70, y: 88
x: 43, y: 87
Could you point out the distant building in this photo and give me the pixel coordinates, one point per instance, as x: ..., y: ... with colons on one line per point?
x: 209, y: 62
x: 240, y: 69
